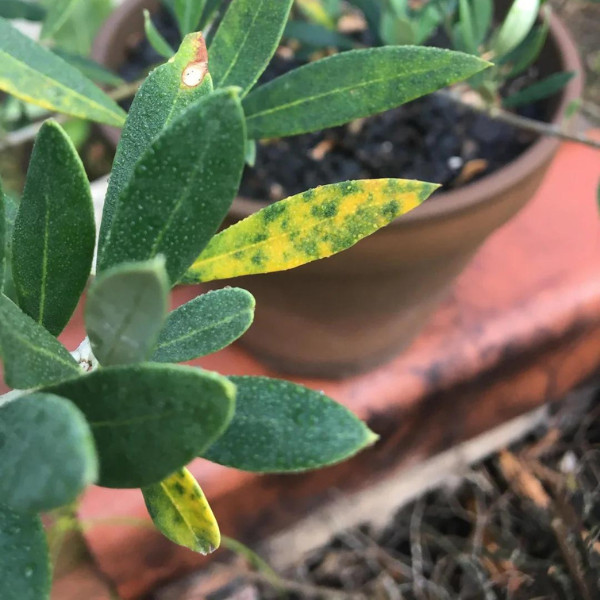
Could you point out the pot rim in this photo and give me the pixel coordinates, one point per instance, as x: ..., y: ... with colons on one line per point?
x: 447, y: 203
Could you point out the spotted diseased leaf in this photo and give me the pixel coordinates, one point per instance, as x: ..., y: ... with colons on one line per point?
x: 149, y: 420
x: 307, y: 227
x: 34, y: 74
x: 181, y: 188
x: 25, y: 572
x: 246, y: 41
x: 55, y: 233
x: 182, y: 513
x: 125, y: 311
x: 350, y: 85
x: 164, y: 95
x: 205, y: 325
x: 32, y: 357
x: 282, y: 427
x: 47, y: 453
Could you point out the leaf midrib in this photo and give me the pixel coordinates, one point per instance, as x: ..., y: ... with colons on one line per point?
x: 340, y: 90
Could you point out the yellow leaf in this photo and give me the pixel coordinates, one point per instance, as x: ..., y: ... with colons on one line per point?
x: 181, y: 512
x: 306, y: 227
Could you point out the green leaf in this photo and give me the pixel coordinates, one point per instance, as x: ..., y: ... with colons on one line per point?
x: 282, y: 427
x: 20, y: 9
x: 482, y: 12
x: 517, y: 24
x: 32, y: 357
x: 25, y: 572
x: 125, y: 311
x: 395, y: 30
x: 58, y: 14
x: 10, y: 215
x: 246, y: 41
x: 205, y: 325
x: 55, y: 233
x: 354, y: 84
x: 188, y: 14
x: 182, y: 513
x: 162, y: 98
x: 211, y: 8
x: 306, y: 227
x: 78, y: 33
x: 182, y: 187
x: 527, y: 52
x: 89, y: 68
x: 36, y: 75
x: 3, y: 241
x: 538, y: 91
x: 150, y: 420
x: 467, y: 26
x: 47, y: 453
x: 372, y: 12
x: 157, y: 41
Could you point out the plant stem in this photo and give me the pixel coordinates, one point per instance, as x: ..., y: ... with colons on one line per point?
x: 539, y: 127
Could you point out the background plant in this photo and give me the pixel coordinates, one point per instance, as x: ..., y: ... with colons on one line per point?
x: 119, y: 411
x: 513, y: 45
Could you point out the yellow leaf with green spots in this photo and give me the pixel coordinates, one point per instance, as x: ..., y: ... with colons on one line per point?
x: 307, y: 227
x: 181, y: 512
x: 34, y: 74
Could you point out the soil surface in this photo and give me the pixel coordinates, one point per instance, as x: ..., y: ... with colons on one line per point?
x: 523, y: 525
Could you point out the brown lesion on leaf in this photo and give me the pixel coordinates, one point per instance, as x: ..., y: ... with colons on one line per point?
x: 195, y: 71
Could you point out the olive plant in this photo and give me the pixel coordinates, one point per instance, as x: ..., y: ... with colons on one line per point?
x: 119, y: 411
x: 513, y: 45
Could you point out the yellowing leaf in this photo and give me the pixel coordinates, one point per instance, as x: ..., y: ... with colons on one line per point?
x: 307, y: 227
x: 181, y: 512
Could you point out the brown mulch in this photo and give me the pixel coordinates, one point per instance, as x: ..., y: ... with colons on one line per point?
x: 522, y: 525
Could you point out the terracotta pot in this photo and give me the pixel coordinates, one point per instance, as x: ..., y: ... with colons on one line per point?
x: 348, y: 313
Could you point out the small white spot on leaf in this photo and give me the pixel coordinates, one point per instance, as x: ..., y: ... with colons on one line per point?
x: 194, y: 74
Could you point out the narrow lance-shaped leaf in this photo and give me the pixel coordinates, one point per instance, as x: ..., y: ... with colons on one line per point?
x: 125, y: 311
x: 182, y: 513
x: 47, y: 454
x: 25, y: 572
x: 32, y: 357
x: 539, y: 90
x: 189, y: 13
x: 59, y: 12
x: 89, y: 68
x: 205, y: 325
x: 164, y: 95
x: 350, y: 85
x: 282, y: 427
x: 54, y: 236
x: 246, y: 41
x: 10, y: 216
x: 21, y: 9
x: 181, y: 188
x: 516, y: 26
x: 150, y: 420
x: 157, y: 41
x: 36, y: 75
x: 307, y: 227
x: 3, y: 229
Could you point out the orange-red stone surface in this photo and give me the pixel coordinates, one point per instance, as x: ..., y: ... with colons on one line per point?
x: 521, y: 327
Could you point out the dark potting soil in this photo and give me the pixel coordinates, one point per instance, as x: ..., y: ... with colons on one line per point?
x: 431, y: 139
